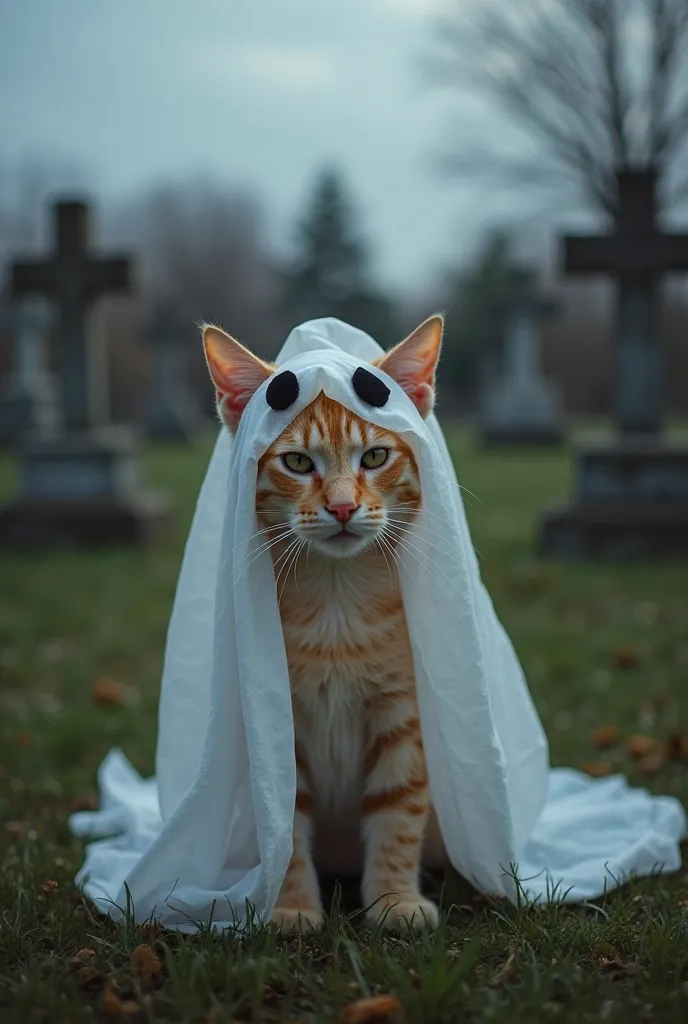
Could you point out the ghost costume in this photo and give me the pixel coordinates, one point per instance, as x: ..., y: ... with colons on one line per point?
x: 211, y: 834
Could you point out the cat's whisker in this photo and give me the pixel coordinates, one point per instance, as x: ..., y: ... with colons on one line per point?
x: 389, y: 567
x: 408, y: 508
x: 292, y: 566
x: 253, y: 536
x: 283, y: 558
x: 409, y: 548
x: 288, y: 561
x: 402, y: 546
x: 255, y: 555
x: 262, y: 547
x: 401, y: 526
x: 462, y: 488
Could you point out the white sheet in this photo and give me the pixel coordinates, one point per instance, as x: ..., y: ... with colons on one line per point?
x: 214, y: 829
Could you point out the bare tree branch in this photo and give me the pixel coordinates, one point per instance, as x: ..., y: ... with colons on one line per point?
x: 599, y: 85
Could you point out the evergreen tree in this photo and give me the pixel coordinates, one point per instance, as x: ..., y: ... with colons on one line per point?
x: 330, y: 275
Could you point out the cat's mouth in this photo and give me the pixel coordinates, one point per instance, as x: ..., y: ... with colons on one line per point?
x: 343, y: 535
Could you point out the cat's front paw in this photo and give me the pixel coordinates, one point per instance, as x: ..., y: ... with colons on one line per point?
x: 400, y: 912
x: 297, y: 919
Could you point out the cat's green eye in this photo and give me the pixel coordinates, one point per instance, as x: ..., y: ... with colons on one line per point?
x: 298, y: 463
x: 374, y: 458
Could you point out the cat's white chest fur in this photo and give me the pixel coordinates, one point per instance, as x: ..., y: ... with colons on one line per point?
x: 335, y: 741
x: 330, y: 686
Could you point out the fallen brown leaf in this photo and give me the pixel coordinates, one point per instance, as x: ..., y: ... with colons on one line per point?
x: 610, y: 961
x: 145, y: 963
x: 606, y: 950
x: 363, y: 1011
x: 625, y: 657
x: 89, y: 977
x: 676, y: 747
x: 605, y: 736
x: 112, y: 1004
x: 22, y: 739
x: 640, y: 746
x: 130, y: 1008
x: 597, y: 769
x: 16, y: 828
x: 617, y: 968
x: 107, y: 693
x: 84, y: 955
x: 651, y: 763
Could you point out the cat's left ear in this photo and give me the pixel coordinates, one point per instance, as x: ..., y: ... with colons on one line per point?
x: 413, y: 363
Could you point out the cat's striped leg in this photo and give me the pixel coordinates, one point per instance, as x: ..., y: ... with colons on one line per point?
x: 299, y: 905
x: 395, y: 811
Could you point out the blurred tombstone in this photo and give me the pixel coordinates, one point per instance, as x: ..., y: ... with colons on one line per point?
x: 28, y: 397
x: 519, y: 405
x: 171, y: 412
x: 632, y: 494
x: 81, y: 485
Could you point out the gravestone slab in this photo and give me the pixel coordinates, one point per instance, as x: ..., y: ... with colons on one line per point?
x: 28, y: 398
x: 81, y: 489
x: 81, y: 486
x: 631, y: 497
x: 519, y: 405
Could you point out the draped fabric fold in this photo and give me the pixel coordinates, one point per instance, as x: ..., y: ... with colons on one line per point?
x: 212, y: 832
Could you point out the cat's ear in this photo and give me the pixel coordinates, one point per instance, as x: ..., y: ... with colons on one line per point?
x: 236, y: 373
x: 413, y: 362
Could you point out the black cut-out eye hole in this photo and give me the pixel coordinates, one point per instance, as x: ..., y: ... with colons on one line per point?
x: 374, y: 458
x: 297, y: 462
x: 282, y: 391
x: 369, y: 388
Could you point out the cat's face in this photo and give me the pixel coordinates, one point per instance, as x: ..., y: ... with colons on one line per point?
x: 338, y: 482
x: 332, y: 479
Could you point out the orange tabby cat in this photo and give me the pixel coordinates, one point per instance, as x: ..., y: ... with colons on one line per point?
x: 341, y: 492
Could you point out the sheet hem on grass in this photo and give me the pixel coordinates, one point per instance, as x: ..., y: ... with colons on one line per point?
x: 212, y: 833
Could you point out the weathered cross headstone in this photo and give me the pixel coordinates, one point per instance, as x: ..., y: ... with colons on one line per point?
x: 519, y: 405
x: 73, y: 279
x: 632, y: 495
x: 81, y: 485
x: 171, y: 413
x: 28, y: 400
x: 638, y: 255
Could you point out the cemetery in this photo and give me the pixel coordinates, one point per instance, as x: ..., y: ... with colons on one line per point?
x: 152, y: 776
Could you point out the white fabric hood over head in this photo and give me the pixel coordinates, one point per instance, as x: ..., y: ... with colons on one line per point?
x: 213, y: 830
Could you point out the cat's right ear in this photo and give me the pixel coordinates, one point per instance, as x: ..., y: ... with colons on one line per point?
x: 236, y: 373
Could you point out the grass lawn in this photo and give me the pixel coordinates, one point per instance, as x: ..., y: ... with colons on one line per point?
x: 602, y: 647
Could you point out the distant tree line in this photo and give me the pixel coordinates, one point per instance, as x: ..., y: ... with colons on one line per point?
x: 203, y: 247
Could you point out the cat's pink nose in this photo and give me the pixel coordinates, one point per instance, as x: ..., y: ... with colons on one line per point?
x: 343, y: 513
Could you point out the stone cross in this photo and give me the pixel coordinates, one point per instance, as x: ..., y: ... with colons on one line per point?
x: 72, y: 279
x: 637, y: 255
x: 170, y: 409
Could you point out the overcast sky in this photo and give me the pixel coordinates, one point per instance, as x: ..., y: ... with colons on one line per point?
x: 261, y: 92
